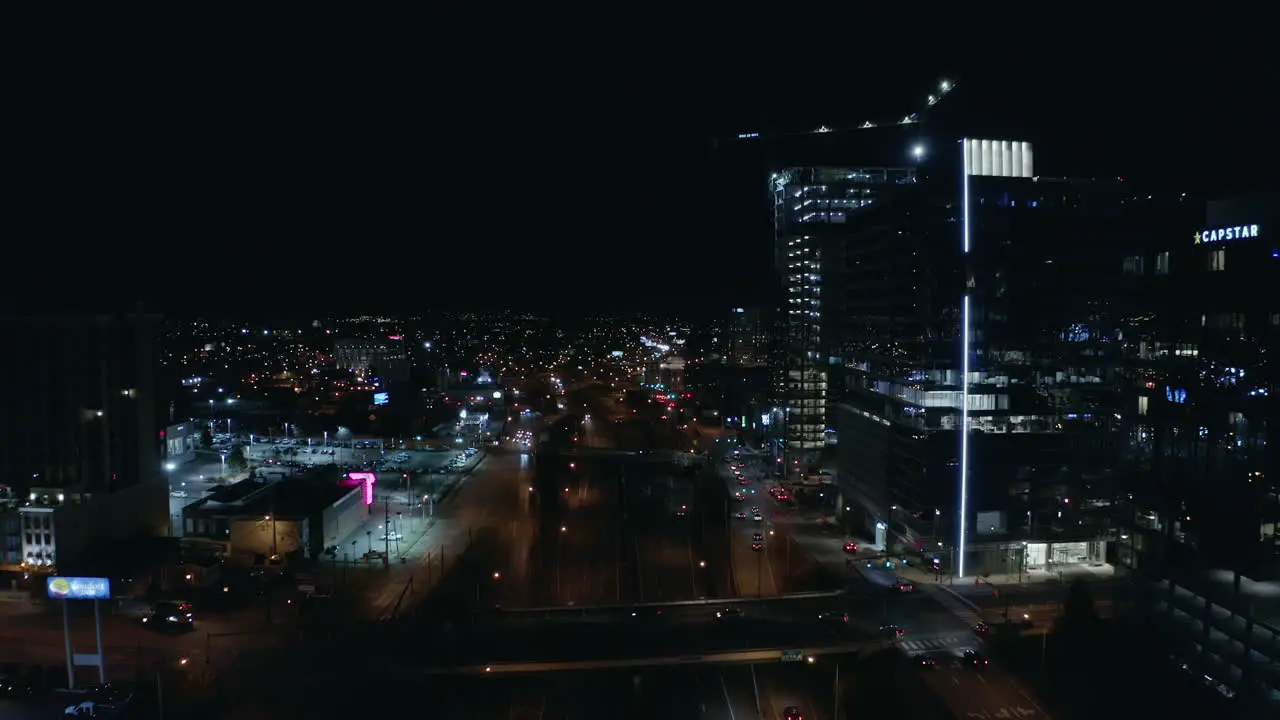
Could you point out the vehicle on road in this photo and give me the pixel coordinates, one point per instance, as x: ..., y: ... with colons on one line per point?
x: 894, y: 630
x: 730, y: 613
x: 982, y: 628
x: 975, y: 658
x: 927, y: 662
x: 851, y: 547
x: 642, y: 614
x: 757, y: 546
x: 170, y: 616
x: 792, y: 713
x: 12, y: 686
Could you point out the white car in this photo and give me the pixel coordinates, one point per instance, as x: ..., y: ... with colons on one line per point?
x: 179, y: 493
x: 392, y: 537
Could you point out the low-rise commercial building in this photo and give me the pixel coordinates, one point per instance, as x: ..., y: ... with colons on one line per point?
x: 256, y: 519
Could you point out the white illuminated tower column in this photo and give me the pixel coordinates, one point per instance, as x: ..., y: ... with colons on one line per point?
x: 964, y: 372
x: 979, y: 158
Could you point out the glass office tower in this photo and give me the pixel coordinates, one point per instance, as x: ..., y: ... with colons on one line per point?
x: 1204, y: 394
x: 811, y: 209
x: 979, y: 342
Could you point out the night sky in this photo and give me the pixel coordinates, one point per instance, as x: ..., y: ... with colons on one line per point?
x: 214, y: 172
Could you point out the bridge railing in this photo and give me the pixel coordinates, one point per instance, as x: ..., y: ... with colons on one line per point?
x: 776, y: 654
x: 702, y: 602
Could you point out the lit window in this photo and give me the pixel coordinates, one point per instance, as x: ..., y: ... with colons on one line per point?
x: 1217, y: 260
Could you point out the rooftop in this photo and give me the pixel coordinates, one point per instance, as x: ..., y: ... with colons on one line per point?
x: 296, y: 497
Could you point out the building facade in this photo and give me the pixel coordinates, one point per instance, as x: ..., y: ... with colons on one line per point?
x: 980, y: 355
x: 1203, y: 393
x: 811, y: 210
x: 386, y: 359
x: 78, y: 435
x: 1199, y: 532
x: 747, y: 337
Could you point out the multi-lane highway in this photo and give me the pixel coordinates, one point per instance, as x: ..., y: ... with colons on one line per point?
x: 603, y: 528
x: 598, y: 530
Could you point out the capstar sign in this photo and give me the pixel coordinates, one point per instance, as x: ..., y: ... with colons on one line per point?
x: 1223, y: 234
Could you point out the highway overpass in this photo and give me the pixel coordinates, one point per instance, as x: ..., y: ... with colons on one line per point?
x: 649, y: 456
x: 764, y: 655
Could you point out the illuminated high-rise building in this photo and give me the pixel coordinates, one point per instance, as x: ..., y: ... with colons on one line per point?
x: 747, y: 337
x: 979, y: 336
x: 811, y: 207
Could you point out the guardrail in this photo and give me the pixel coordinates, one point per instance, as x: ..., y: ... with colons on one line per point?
x: 703, y: 602
x: 716, y: 658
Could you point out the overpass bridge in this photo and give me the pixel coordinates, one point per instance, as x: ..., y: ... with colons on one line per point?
x: 684, y: 459
x: 765, y: 655
x: 787, y: 605
x: 562, y: 639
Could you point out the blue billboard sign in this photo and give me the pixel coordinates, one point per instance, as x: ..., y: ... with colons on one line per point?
x: 78, y: 588
x: 381, y: 398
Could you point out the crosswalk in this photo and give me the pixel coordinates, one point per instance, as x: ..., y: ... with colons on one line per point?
x: 955, y: 605
x: 933, y: 644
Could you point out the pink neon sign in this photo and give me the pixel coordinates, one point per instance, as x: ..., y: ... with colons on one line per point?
x: 368, y: 479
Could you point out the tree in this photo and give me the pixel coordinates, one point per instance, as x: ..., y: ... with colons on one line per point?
x: 236, y: 459
x: 1077, y: 628
x: 205, y: 439
x: 1078, y: 608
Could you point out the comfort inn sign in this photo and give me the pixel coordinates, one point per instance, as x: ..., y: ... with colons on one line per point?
x: 1226, y: 233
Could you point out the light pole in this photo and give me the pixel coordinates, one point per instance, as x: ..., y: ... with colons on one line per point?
x: 835, y: 709
x: 272, y: 519
x: 398, y: 532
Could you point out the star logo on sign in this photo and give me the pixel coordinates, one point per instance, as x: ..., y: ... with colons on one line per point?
x: 1197, y: 238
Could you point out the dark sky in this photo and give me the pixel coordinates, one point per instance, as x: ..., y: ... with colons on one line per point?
x: 294, y: 167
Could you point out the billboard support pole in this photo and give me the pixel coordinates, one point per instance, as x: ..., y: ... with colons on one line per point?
x: 97, y: 628
x: 67, y: 589
x: 66, y: 640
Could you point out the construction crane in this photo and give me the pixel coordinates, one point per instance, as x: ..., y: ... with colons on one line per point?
x: 944, y: 88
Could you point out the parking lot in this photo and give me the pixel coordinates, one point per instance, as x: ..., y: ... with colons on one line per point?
x: 300, y: 452
x: 405, y: 506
